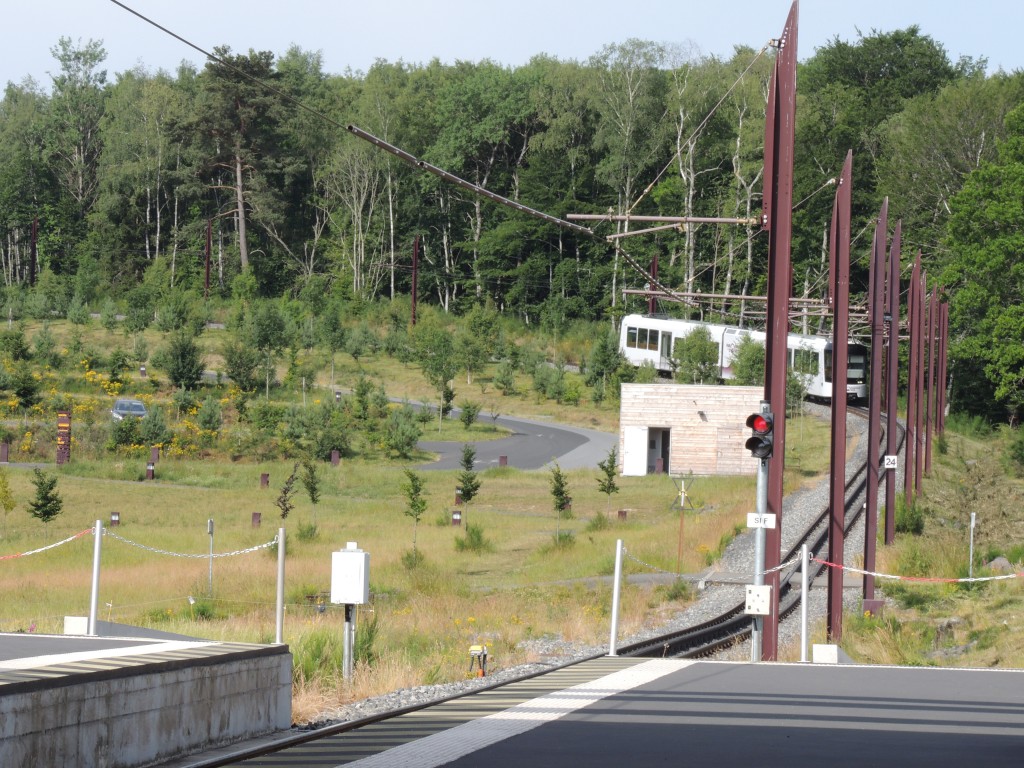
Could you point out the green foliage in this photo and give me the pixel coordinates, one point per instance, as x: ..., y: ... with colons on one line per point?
x: 284, y: 499
x: 210, y: 416
x: 909, y: 517
x: 468, y: 411
x: 241, y: 364
x: 560, y: 498
x: 308, y: 532
x: 562, y: 540
x: 402, y: 431
x: 153, y: 429
x: 599, y: 522
x: 473, y: 540
x: 469, y: 482
x: 311, y: 482
x: 748, y: 362
x: 7, y: 502
x: 181, y: 359
x: 609, y: 471
x: 696, y: 358
x: 47, y: 502
x: 416, y: 504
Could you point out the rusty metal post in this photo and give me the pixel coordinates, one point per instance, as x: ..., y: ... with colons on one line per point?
x: 911, y: 421
x: 875, y: 313
x: 780, y: 133
x: 919, y: 458
x: 892, y: 381
x: 940, y: 416
x: 652, y: 301
x: 929, y: 417
x: 839, y: 247
x: 415, y: 275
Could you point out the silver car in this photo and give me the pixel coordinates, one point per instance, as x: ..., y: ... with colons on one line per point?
x: 127, y: 408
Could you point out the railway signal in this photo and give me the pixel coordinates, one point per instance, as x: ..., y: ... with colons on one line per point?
x: 762, y: 442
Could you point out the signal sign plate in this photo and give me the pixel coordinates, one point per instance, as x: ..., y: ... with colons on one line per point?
x: 889, y: 462
x: 755, y: 520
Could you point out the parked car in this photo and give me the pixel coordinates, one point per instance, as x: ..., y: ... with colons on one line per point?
x: 126, y: 408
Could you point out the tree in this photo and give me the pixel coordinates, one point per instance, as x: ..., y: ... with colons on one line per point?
x: 560, y: 497
x: 469, y: 482
x: 416, y: 505
x: 435, y: 354
x: 311, y: 482
x: 402, y: 431
x: 986, y: 306
x: 696, y: 357
x: 748, y: 362
x: 267, y: 331
x: 182, y: 359
x: 609, y: 470
x: 47, y: 503
x: 7, y: 502
x: 284, y: 500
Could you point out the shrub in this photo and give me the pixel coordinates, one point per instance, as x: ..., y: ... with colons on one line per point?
x: 563, y: 540
x: 909, y: 518
x: 474, y: 540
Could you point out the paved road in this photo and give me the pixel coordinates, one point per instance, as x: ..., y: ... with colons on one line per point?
x: 532, y: 445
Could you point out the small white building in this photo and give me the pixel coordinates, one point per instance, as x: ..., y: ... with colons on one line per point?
x: 684, y: 428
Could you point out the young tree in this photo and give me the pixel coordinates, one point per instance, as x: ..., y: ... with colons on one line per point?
x: 560, y: 497
x: 609, y: 469
x: 7, y: 502
x: 469, y: 482
x: 47, y: 503
x: 311, y: 482
x: 417, y: 505
x: 748, y: 362
x: 696, y: 357
x: 182, y: 359
x: 284, y: 500
x: 436, y: 356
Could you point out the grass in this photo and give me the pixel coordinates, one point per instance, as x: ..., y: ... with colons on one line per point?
x: 511, y: 585
x: 951, y: 624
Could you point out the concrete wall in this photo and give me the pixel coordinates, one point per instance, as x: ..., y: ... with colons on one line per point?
x: 145, y: 714
x: 706, y: 428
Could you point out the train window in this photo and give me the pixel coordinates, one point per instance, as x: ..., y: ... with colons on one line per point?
x: 652, y: 340
x: 805, y: 361
x: 828, y: 365
x: 631, y: 338
x: 857, y: 368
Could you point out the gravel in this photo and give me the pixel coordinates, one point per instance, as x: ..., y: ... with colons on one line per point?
x: 799, y: 510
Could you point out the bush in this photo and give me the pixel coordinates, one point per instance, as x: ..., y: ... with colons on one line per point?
x: 598, y: 522
x: 909, y: 518
x: 563, y: 540
x: 473, y: 541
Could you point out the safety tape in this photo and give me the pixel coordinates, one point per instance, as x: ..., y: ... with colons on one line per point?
x: 48, y: 546
x: 924, y: 579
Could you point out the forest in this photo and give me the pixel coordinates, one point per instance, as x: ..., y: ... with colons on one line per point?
x: 118, y: 190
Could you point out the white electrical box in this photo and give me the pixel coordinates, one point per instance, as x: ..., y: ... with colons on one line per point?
x: 350, y: 575
x: 759, y: 600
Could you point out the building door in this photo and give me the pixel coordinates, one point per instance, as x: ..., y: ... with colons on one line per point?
x: 634, y: 451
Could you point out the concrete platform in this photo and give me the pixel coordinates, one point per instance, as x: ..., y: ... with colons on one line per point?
x: 126, y: 702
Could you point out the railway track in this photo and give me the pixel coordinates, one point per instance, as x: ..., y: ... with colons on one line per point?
x: 702, y: 640
x: 733, y: 625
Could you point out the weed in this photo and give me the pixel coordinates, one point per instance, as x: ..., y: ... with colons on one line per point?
x: 474, y: 540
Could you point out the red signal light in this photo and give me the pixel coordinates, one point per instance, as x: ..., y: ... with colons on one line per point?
x: 762, y: 443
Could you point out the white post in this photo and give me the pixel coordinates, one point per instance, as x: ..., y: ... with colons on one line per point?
x: 970, y: 562
x: 209, y: 530
x: 279, y: 635
x: 94, y: 598
x: 348, y: 642
x: 805, y: 562
x: 612, y: 647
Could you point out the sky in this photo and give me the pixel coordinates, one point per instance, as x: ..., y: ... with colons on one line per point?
x: 352, y: 35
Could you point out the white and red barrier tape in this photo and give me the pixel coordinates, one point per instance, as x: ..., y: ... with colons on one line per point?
x: 48, y: 546
x: 924, y: 579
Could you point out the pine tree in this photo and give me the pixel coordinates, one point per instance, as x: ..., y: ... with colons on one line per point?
x: 48, y: 503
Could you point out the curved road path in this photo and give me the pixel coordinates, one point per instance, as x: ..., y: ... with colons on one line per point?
x: 532, y: 445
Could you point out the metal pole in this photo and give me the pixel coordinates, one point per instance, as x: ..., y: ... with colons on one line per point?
x: 757, y: 628
x: 209, y: 530
x: 892, y: 381
x: 612, y: 646
x: 805, y: 583
x: 346, y: 666
x: 876, y: 315
x: 279, y: 634
x: 970, y: 564
x: 779, y: 142
x: 94, y: 598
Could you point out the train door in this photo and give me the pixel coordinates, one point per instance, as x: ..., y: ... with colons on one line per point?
x: 666, y: 351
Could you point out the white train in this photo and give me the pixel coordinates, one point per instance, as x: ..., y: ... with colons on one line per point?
x: 647, y: 339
